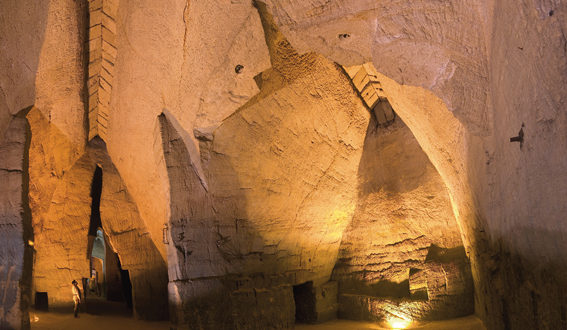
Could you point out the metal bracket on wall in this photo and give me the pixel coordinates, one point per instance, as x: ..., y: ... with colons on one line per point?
x: 520, y: 137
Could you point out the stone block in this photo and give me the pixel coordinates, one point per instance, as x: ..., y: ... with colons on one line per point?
x: 326, y: 304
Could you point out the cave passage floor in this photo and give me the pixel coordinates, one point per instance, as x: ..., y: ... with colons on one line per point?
x: 464, y: 323
x: 63, y: 321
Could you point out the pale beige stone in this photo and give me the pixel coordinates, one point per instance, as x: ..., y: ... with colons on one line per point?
x: 462, y: 75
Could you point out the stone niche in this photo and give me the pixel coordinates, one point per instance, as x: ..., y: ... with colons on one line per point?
x: 402, y: 254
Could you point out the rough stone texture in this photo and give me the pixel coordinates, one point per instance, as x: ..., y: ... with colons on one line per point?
x: 22, y: 29
x: 316, y: 304
x: 403, y: 208
x: 326, y: 305
x: 440, y: 289
x: 275, y: 193
x: 232, y: 302
x: 14, y: 289
x: 420, y: 43
x: 102, y: 56
x: 181, y: 56
x: 522, y: 192
x: 506, y: 65
x: 60, y: 83
x: 465, y: 76
x: 61, y: 223
x: 367, y: 84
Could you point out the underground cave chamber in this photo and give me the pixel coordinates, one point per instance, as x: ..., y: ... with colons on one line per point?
x: 281, y: 164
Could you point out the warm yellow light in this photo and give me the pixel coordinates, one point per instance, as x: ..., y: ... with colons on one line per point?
x: 397, y: 323
x: 34, y: 318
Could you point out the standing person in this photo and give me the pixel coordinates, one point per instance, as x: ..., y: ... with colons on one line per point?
x: 76, y: 297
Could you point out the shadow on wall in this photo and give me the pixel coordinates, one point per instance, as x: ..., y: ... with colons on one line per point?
x: 16, y: 233
x: 389, y: 261
x: 524, y: 285
x: 22, y: 29
x: 210, y: 240
x: 268, y: 210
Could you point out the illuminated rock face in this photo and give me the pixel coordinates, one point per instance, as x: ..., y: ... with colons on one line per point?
x: 256, y: 171
x: 60, y: 199
x: 403, y: 217
x: 466, y: 75
x: 275, y: 192
x: 102, y: 58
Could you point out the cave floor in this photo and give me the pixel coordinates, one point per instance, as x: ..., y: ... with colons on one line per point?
x: 102, y: 314
x: 63, y: 321
x: 464, y: 323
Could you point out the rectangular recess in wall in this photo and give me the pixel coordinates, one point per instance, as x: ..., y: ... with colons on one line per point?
x: 41, y: 301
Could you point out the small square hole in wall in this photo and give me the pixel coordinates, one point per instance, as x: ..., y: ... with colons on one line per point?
x: 41, y: 301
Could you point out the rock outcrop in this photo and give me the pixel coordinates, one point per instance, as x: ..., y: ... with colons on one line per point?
x: 268, y: 208
x: 15, y: 226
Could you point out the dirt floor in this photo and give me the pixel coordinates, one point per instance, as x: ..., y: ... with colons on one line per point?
x: 99, y: 314
x: 59, y: 321
x: 465, y: 323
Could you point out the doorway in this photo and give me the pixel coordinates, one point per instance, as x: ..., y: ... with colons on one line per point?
x: 108, y: 289
x: 304, y: 296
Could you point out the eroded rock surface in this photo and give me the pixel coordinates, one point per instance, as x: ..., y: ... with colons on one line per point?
x: 506, y: 67
x: 252, y: 167
x: 61, y: 222
x: 276, y: 192
x: 14, y: 227
x: 403, y: 212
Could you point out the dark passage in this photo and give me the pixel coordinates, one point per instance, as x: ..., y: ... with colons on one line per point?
x: 96, y: 191
x: 109, y: 287
x: 126, y: 287
x: 304, y: 296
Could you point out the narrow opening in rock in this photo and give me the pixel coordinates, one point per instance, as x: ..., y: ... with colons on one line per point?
x: 126, y: 286
x: 96, y: 191
x: 113, y: 283
x: 304, y: 297
x: 97, y: 280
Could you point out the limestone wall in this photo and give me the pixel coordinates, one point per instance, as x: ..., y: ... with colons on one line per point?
x: 495, y: 65
x: 464, y: 76
x: 22, y: 32
x: 403, y: 215
x: 274, y: 195
x: 14, y: 228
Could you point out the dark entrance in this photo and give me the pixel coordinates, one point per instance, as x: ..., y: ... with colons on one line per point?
x: 109, y: 288
x: 126, y: 287
x: 41, y: 301
x: 304, y: 296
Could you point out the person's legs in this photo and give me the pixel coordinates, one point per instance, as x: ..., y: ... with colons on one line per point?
x: 76, y: 310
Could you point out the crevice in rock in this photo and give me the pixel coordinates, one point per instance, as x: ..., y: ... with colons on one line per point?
x: 96, y: 191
